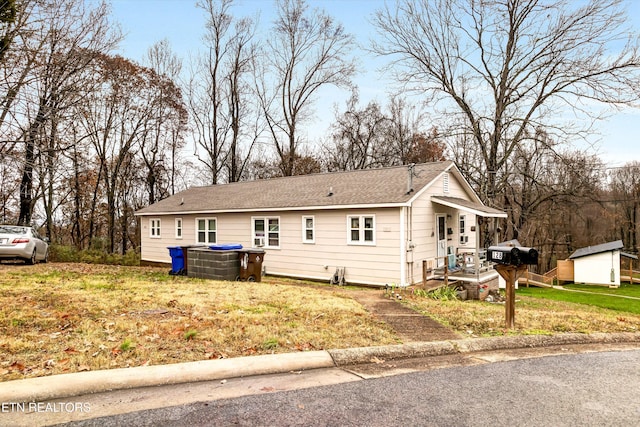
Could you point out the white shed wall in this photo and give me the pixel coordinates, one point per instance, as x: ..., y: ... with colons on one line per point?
x: 596, y: 268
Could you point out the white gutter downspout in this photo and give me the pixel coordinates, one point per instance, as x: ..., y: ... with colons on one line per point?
x: 403, y: 247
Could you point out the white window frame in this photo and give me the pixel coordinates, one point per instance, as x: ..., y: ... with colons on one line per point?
x: 264, y: 238
x: 206, y: 230
x: 462, y: 229
x: 179, y: 228
x: 361, y: 230
x: 155, y: 228
x: 305, y: 229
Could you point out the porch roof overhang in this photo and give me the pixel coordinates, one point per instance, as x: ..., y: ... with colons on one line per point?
x: 468, y: 206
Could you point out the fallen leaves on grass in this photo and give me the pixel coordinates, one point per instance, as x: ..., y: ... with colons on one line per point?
x: 81, y: 317
x: 532, y: 316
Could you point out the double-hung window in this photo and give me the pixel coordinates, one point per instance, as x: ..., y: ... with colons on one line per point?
x: 178, y: 228
x: 462, y: 224
x: 154, y: 228
x: 266, y: 232
x: 308, y: 229
x: 361, y: 229
x: 206, y: 230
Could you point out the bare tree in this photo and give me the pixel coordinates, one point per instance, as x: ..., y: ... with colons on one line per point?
x: 114, y: 119
x: 245, y: 124
x: 625, y: 198
x: 499, y: 68
x: 19, y: 58
x: 358, y: 136
x: 163, y: 130
x: 221, y: 93
x: 72, y: 34
x: 207, y: 98
x: 551, y: 197
x: 308, y: 51
x: 8, y: 13
x: 370, y: 137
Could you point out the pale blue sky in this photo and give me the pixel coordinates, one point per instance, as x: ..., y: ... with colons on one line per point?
x: 147, y: 21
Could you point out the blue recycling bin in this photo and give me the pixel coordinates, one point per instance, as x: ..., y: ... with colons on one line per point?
x: 177, y: 260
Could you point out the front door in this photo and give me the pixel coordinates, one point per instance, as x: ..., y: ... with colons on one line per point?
x: 441, y: 234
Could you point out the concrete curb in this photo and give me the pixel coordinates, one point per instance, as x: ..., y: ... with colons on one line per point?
x: 76, y: 384
x: 355, y: 356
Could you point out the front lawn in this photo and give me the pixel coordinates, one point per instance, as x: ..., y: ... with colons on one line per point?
x: 58, y: 318
x: 538, y: 311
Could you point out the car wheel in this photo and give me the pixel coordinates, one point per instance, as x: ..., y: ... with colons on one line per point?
x: 46, y: 256
x: 32, y: 260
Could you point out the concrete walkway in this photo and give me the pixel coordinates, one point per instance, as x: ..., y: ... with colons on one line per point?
x: 408, y: 324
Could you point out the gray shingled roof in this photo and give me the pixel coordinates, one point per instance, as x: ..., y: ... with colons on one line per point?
x: 604, y: 247
x: 363, y: 187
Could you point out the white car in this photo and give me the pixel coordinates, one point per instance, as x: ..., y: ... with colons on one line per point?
x: 20, y: 242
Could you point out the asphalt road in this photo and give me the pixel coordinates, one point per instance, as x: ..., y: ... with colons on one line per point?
x: 589, y: 389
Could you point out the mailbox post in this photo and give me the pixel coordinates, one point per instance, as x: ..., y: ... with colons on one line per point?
x: 511, y: 262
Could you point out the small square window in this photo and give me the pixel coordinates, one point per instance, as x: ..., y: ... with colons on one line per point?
x: 206, y: 230
x: 266, y: 232
x: 362, y: 230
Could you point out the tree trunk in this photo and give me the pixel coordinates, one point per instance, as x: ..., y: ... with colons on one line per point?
x: 26, y: 184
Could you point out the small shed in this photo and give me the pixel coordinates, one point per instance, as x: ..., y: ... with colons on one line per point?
x: 599, y: 264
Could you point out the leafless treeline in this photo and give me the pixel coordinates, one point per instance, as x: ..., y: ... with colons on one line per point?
x: 87, y: 137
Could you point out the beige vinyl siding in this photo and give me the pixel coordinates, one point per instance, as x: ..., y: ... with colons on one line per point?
x: 456, y: 188
x: 377, y: 264
x: 156, y: 249
x: 423, y: 235
x: 422, y: 226
x: 368, y: 264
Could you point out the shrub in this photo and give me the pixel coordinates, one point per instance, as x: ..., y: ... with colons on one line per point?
x: 62, y: 253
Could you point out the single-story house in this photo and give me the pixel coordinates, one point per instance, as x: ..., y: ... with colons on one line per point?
x: 599, y: 264
x: 383, y: 226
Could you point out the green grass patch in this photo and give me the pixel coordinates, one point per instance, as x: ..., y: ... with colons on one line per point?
x: 625, y: 289
x: 596, y: 299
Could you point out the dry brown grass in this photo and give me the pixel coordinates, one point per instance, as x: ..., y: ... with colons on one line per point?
x: 58, y: 318
x: 532, y: 316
